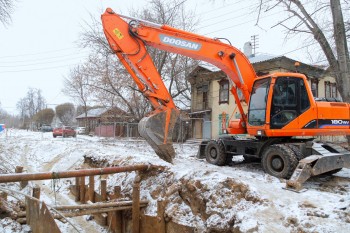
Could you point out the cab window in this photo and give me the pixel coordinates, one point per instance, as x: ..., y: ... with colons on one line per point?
x: 289, y: 100
x: 257, y: 105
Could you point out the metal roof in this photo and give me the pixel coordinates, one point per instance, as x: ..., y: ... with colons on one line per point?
x: 262, y: 57
x: 253, y: 59
x: 96, y: 112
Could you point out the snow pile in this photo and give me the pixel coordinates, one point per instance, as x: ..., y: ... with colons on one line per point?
x: 240, y: 198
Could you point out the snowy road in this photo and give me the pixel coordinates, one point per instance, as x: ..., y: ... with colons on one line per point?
x: 205, y: 196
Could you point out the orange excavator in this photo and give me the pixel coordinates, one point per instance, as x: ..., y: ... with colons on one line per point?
x: 281, y: 105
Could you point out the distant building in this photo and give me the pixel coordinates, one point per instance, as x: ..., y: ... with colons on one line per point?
x: 99, y: 118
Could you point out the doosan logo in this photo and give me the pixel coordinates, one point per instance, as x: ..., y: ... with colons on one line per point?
x: 180, y: 43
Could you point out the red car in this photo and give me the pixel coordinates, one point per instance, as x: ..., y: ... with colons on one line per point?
x: 64, y: 131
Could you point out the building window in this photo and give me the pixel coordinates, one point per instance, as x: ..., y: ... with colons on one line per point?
x: 314, y: 87
x: 330, y: 90
x: 202, y: 96
x: 224, y: 91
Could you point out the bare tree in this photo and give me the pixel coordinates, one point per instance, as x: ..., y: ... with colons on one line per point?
x: 173, y: 68
x: 35, y: 101
x: 110, y: 80
x: 112, y: 86
x: 76, y: 85
x: 323, y: 22
x: 22, y: 108
x: 32, y: 103
x: 9, y: 120
x: 65, y: 112
x: 6, y: 9
x: 44, y: 117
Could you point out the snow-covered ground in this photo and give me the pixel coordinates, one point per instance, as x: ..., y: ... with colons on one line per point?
x: 211, y: 198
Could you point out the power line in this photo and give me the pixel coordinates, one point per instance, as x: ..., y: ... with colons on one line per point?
x: 39, y: 59
x: 42, y: 63
x: 31, y: 54
x: 172, y: 8
x: 305, y: 46
x: 221, y: 7
x: 230, y: 13
x: 241, y: 23
x: 47, y: 68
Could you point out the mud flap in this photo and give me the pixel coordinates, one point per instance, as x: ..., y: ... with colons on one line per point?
x: 315, y: 165
x: 155, y: 130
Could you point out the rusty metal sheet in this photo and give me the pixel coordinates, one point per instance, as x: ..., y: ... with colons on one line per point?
x: 39, y: 217
x: 150, y: 224
x: 172, y: 227
x: 32, y: 213
x: 47, y: 222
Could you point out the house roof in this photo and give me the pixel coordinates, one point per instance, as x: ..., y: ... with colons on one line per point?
x: 96, y: 112
x: 265, y: 61
x: 261, y: 57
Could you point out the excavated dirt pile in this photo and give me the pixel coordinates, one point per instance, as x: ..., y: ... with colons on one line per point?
x: 208, y: 205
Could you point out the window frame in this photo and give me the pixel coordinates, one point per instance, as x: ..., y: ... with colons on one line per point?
x: 314, y: 81
x: 222, y: 89
x: 332, y: 89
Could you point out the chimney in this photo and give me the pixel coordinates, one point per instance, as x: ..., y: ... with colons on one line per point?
x: 248, y: 49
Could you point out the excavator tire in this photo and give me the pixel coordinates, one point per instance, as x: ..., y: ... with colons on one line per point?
x: 296, y: 151
x: 279, y: 160
x: 215, y: 153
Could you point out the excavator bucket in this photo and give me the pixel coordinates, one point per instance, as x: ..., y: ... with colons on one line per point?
x: 329, y: 159
x: 157, y: 130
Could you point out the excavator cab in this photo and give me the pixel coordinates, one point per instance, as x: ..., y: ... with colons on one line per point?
x: 277, y: 102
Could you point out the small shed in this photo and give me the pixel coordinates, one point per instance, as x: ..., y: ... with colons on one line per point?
x: 98, y: 118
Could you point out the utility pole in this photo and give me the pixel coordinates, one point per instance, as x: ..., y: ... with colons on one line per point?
x: 255, y: 43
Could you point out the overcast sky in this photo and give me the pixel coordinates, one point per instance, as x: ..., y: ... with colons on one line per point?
x: 40, y: 46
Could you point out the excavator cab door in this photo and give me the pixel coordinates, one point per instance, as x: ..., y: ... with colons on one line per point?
x: 289, y: 100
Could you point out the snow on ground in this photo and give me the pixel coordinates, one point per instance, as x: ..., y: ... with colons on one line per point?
x: 211, y: 198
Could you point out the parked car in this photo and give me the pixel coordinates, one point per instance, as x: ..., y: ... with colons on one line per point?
x: 64, y: 131
x: 80, y: 130
x: 46, y: 128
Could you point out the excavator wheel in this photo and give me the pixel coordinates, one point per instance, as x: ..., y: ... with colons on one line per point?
x: 296, y: 151
x: 215, y: 153
x: 279, y: 160
x: 153, y: 130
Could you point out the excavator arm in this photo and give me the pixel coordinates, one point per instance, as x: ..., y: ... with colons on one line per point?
x: 129, y: 37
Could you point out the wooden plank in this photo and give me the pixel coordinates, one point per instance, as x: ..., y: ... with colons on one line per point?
x: 92, y: 188
x: 104, y: 189
x: 136, y: 205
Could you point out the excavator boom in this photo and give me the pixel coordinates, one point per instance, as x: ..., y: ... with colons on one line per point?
x: 129, y: 37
